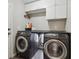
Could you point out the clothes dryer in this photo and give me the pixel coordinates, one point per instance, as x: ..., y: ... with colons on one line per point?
x: 22, y: 44
x: 57, y: 45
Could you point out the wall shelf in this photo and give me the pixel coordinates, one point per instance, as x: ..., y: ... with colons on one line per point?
x: 36, y: 11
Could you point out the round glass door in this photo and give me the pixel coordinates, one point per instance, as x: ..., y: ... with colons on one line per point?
x: 21, y: 44
x: 55, y: 49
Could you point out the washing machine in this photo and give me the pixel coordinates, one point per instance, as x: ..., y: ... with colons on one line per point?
x: 22, y: 44
x: 57, y: 45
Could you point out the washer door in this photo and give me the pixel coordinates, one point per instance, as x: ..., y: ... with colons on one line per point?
x: 55, y: 49
x: 21, y: 44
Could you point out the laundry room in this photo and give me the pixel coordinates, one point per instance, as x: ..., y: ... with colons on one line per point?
x: 39, y: 29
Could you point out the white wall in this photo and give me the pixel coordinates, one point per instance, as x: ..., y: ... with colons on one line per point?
x: 16, y: 22
x: 19, y: 15
x: 39, y: 22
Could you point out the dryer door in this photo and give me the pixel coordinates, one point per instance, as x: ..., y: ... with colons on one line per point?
x: 21, y: 44
x: 55, y: 49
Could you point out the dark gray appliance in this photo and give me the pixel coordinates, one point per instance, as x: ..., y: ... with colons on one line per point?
x: 54, y: 44
x: 22, y: 44
x: 43, y: 44
x: 57, y: 45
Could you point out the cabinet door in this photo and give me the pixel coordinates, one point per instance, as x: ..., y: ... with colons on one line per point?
x: 50, y: 12
x: 49, y: 2
x: 69, y: 9
x: 69, y: 12
x: 61, y: 2
x: 61, y: 11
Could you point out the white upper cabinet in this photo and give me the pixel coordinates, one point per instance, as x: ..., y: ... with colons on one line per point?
x: 50, y: 9
x: 69, y: 12
x: 61, y: 8
x: 69, y: 9
x: 61, y: 2
x: 50, y: 12
x: 61, y: 11
x: 49, y: 2
x: 56, y: 12
x: 56, y: 9
x: 68, y: 22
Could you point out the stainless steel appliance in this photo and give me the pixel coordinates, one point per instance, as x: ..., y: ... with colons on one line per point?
x: 36, y: 51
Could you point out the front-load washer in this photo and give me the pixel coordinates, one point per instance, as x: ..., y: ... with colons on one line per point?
x: 22, y: 44
x: 57, y: 45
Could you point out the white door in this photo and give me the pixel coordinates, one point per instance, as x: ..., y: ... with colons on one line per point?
x: 10, y: 27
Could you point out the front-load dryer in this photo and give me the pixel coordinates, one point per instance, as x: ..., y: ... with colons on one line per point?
x: 57, y: 45
x: 22, y: 44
